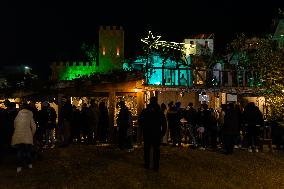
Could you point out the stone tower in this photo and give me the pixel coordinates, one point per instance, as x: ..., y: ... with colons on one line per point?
x: 111, y: 48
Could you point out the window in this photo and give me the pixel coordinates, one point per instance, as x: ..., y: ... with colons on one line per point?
x: 104, y: 51
x: 206, y: 44
x: 117, y: 51
x: 192, y: 44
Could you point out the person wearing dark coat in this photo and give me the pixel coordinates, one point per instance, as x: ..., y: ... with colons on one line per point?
x: 83, y: 122
x: 179, y: 116
x: 103, y: 125
x: 213, y: 130
x: 191, y: 118
x: 173, y: 122
x: 92, y: 122
x: 230, y: 128
x: 3, y: 133
x: 253, y: 120
x: 238, y: 142
x: 66, y: 115
x: 205, y: 121
x: 124, y: 124
x: 47, y: 121
x: 9, y: 116
x: 153, y: 123
x: 165, y: 138
x: 76, y: 125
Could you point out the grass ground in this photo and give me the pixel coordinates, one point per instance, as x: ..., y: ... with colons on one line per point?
x: 88, y: 166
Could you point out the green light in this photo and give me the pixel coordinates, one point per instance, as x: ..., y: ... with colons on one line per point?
x: 77, y: 71
x: 155, y: 71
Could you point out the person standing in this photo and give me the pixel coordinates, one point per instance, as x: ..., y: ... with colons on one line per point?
x: 92, y: 122
x: 173, y: 121
x: 153, y: 123
x: 11, y: 113
x: 103, y: 125
x: 204, y: 129
x: 178, y: 126
x: 183, y: 80
x: 166, y: 136
x: 22, y: 138
x: 221, y: 118
x: 48, y: 122
x: 7, y: 117
x: 66, y: 116
x: 76, y: 125
x: 191, y: 116
x: 5, y: 140
x: 230, y: 128
x: 253, y: 120
x: 124, y: 125
x: 84, y: 122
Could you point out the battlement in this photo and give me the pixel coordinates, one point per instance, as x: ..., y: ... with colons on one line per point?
x: 73, y: 63
x: 111, y: 28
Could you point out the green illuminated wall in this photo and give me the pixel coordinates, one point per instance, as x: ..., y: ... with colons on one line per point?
x: 73, y: 71
x: 70, y: 72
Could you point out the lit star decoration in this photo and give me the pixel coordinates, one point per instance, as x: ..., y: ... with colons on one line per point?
x: 153, y: 41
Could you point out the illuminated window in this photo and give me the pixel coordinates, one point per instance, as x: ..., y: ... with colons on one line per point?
x: 206, y: 44
x: 117, y: 51
x: 191, y: 44
x: 104, y: 51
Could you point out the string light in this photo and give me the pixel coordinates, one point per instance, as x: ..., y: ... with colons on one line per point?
x: 153, y: 42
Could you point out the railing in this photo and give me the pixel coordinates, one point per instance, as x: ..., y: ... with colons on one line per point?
x: 211, y: 78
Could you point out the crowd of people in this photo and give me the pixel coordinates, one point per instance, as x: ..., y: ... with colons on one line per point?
x: 230, y: 127
x: 29, y: 130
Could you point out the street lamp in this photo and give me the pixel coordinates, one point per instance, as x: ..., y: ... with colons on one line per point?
x: 27, y: 70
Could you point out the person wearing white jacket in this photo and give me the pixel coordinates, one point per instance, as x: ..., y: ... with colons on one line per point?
x: 22, y: 139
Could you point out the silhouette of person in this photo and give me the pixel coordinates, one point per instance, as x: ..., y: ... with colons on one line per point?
x: 153, y: 123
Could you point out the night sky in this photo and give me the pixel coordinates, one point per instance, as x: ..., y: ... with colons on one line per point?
x: 35, y: 34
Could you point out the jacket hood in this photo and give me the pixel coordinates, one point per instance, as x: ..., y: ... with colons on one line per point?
x: 24, y: 111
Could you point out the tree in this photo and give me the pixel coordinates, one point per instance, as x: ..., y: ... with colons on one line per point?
x: 269, y: 60
x: 265, y: 60
x: 90, y: 51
